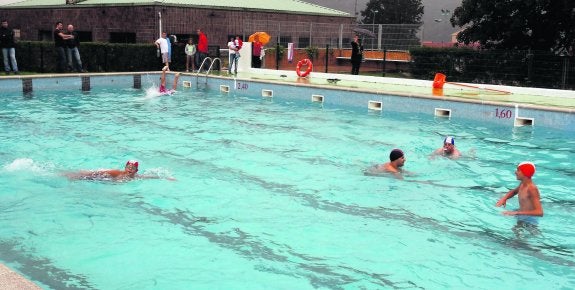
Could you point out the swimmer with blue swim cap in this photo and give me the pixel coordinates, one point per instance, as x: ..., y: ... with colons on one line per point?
x: 448, y: 150
x: 527, y: 193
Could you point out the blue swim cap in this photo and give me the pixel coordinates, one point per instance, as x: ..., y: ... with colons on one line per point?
x: 449, y: 139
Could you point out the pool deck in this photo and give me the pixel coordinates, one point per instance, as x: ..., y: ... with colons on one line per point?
x: 11, y: 280
x: 524, y: 97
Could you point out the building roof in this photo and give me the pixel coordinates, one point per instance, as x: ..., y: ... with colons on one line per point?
x: 284, y: 6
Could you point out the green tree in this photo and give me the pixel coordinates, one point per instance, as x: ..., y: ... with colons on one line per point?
x: 393, y: 12
x: 517, y: 24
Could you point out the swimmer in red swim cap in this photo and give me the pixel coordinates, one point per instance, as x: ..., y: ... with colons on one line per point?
x: 527, y: 193
x: 130, y: 172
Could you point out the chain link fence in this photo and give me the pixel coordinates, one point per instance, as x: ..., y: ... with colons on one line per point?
x: 307, y: 34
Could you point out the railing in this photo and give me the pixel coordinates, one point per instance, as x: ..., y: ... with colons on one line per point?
x: 212, y: 63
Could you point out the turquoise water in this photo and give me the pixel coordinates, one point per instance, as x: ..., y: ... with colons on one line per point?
x: 270, y: 195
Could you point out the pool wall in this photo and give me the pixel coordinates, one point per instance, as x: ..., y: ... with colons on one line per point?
x: 503, y: 114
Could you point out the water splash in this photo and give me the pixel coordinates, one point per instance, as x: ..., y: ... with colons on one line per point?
x: 27, y: 164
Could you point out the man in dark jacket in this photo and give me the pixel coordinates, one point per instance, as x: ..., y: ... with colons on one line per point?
x: 8, y: 47
x: 356, y: 55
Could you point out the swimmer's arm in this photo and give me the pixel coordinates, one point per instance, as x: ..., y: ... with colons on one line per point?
x: 435, y: 153
x: 510, y: 194
x: 79, y: 175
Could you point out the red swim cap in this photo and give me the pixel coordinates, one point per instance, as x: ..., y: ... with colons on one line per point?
x: 133, y: 163
x: 527, y: 168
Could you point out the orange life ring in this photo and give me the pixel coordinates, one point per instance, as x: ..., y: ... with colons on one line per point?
x: 304, y: 61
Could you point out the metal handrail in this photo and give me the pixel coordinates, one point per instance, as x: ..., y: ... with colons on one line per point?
x: 212, y: 62
x: 217, y: 59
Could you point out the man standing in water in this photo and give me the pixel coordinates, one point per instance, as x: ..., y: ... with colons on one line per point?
x: 528, y: 195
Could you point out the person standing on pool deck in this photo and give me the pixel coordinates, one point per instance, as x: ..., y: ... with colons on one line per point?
x: 448, y: 150
x: 162, y: 45
x: 8, y: 46
x: 395, y: 164
x: 356, y: 55
x: 527, y: 193
x: 60, y: 43
x: 163, y: 89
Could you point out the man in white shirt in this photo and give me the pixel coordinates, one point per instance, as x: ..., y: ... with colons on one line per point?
x: 162, y: 44
x: 233, y: 60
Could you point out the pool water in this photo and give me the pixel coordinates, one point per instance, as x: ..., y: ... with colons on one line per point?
x: 270, y: 194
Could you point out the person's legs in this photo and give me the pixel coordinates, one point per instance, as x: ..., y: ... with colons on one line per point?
x: 69, y: 58
x: 12, y: 53
x: 176, y: 78
x: 61, y: 54
x: 258, y: 62
x: 77, y: 59
x: 231, y: 62
x: 236, y: 57
x: 165, y: 60
x: 6, y: 64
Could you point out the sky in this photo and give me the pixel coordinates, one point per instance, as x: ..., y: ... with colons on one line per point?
x: 436, y: 27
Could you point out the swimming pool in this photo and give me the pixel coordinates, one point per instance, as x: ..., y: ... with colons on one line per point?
x: 270, y: 194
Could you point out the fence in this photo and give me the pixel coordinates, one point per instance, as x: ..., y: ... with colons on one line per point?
x: 506, y: 67
x: 517, y: 68
x: 308, y: 34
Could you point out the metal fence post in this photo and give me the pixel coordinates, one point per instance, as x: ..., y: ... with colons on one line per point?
x: 41, y: 58
x: 529, y: 66
x: 277, y: 56
x: 565, y: 73
x: 326, y: 56
x: 384, y: 61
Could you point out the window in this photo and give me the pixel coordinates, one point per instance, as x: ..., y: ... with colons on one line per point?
x: 122, y: 37
x: 45, y: 35
x: 303, y: 42
x: 84, y: 36
x: 284, y: 40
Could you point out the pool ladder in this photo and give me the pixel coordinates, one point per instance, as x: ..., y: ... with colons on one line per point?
x: 212, y: 62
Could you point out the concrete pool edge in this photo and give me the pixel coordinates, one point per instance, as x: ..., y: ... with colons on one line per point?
x: 9, y: 279
x: 256, y: 75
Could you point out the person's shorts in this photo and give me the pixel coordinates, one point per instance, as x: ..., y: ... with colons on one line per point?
x: 164, y: 57
x: 529, y: 219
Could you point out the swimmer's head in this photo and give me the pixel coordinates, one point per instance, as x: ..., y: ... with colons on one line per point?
x: 132, y: 166
x: 395, y: 154
x: 448, y: 145
x: 527, y: 168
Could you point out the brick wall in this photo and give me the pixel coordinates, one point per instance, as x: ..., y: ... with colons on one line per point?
x: 143, y: 20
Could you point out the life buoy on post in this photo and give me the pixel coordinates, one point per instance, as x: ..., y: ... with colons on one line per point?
x: 302, y: 62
